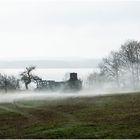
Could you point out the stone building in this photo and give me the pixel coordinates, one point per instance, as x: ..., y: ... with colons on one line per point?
x: 73, y: 84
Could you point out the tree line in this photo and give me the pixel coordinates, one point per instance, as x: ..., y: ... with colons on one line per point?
x: 12, y: 83
x: 120, y: 68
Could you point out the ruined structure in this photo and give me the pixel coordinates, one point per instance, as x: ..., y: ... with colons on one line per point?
x: 73, y: 84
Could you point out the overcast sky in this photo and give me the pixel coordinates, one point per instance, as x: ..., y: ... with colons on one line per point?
x: 41, y: 29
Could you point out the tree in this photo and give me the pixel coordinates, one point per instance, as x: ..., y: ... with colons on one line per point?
x: 27, y: 76
x: 94, y: 79
x: 130, y: 58
x: 8, y: 82
x: 36, y: 79
x: 110, y: 67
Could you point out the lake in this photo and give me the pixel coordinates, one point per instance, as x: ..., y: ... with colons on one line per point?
x: 52, y: 74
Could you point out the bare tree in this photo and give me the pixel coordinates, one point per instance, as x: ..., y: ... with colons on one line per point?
x: 130, y: 58
x: 122, y: 67
x: 94, y: 79
x: 110, y: 67
x: 27, y: 76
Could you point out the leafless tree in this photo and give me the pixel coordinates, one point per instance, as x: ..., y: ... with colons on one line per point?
x: 110, y: 67
x: 27, y: 76
x: 94, y: 79
x: 130, y: 58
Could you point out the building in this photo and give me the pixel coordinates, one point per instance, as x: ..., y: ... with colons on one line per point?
x: 73, y: 84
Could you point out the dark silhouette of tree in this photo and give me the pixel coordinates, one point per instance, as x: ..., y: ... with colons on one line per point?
x: 36, y: 79
x: 27, y: 76
x: 8, y: 83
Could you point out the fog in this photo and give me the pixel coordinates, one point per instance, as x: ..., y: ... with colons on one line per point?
x: 95, y: 89
x: 11, y: 97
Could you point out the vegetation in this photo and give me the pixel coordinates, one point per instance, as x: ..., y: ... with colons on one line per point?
x: 8, y: 83
x: 111, y: 116
x: 121, y: 67
x: 27, y: 76
x: 12, y: 83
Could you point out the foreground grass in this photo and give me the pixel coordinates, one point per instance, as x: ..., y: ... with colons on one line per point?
x: 111, y: 116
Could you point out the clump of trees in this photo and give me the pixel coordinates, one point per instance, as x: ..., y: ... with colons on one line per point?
x: 122, y: 67
x: 8, y: 83
x: 12, y: 83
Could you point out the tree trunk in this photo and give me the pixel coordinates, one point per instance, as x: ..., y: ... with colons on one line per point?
x: 26, y: 85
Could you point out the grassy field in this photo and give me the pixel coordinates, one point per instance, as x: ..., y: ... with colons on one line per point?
x: 110, y: 116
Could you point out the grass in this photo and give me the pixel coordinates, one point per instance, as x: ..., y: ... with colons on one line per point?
x: 110, y: 116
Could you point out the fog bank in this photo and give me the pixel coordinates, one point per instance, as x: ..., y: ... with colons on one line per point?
x: 50, y: 96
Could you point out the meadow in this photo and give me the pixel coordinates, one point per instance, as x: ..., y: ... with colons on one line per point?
x: 105, y: 116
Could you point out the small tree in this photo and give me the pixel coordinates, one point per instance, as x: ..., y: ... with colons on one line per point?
x: 95, y: 79
x: 36, y: 79
x: 27, y: 76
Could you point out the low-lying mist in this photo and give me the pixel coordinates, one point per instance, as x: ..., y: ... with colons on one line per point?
x: 12, y: 97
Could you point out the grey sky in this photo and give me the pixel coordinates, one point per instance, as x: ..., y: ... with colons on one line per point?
x: 42, y: 29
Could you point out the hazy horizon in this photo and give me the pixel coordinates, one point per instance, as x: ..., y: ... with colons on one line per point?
x: 50, y: 63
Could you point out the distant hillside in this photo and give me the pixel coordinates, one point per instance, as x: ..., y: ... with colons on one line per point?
x: 85, y: 63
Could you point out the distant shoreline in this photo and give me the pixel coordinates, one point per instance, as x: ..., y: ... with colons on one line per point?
x: 59, y: 64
